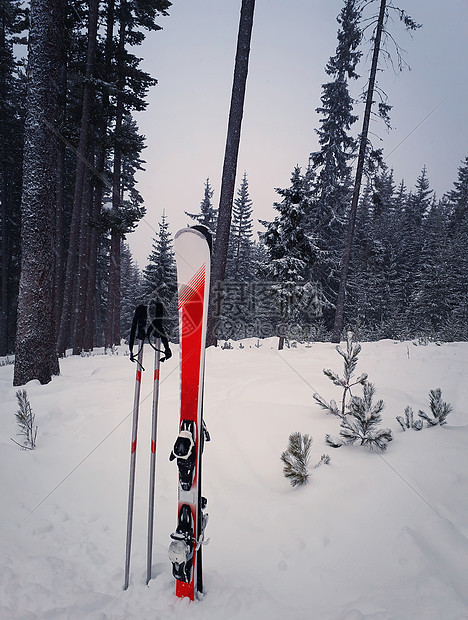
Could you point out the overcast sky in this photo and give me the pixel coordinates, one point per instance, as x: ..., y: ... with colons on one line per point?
x: 193, y: 57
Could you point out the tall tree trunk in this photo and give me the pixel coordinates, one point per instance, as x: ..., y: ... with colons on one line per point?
x: 91, y: 310
x: 90, y: 324
x: 113, y: 296
x: 3, y: 201
x: 79, y: 316
x: 230, y: 157
x: 4, y: 268
x: 340, y: 303
x: 60, y: 194
x: 36, y: 356
x: 77, y: 224
x: 5, y: 207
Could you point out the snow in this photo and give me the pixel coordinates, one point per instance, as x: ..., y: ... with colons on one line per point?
x: 381, y: 537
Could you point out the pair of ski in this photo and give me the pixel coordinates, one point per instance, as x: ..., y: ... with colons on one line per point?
x: 193, y: 252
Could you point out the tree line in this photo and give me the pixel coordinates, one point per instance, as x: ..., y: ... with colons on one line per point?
x: 408, y: 274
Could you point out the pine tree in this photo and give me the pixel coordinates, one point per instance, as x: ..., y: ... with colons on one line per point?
x: 332, y: 187
x: 208, y: 214
x: 240, y: 241
x: 362, y: 423
x: 346, y: 382
x: 160, y: 276
x: 433, y: 282
x: 457, y: 261
x: 412, y: 240
x: 373, y: 268
x: 130, y: 289
x: 292, y: 251
x: 457, y: 198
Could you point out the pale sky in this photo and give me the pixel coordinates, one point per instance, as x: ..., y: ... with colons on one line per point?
x: 193, y: 57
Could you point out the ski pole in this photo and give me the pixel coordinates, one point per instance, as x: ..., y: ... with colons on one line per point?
x: 154, y: 431
x: 131, y: 486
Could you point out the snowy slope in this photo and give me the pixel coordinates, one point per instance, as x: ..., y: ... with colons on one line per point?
x: 376, y: 537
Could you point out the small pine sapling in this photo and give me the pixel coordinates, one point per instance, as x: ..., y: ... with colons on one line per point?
x: 350, y: 359
x: 408, y: 421
x: 296, y: 459
x: 361, y: 424
x: 26, y: 421
x: 439, y: 409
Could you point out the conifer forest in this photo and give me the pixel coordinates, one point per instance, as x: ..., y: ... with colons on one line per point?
x: 347, y: 245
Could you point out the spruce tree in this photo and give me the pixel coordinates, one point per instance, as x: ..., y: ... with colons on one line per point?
x: 373, y: 265
x: 332, y: 163
x: 208, y: 214
x: 412, y: 240
x: 457, y: 198
x: 292, y: 251
x: 160, y: 276
x: 433, y: 281
x: 130, y: 289
x: 238, y: 267
x: 457, y: 262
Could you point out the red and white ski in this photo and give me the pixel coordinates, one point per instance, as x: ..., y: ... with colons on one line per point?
x: 193, y: 256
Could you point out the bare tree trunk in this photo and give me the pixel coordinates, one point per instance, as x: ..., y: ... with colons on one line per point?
x: 230, y: 157
x: 77, y: 225
x: 340, y: 303
x: 36, y: 356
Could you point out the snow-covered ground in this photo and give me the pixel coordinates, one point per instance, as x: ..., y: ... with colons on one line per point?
x: 375, y: 537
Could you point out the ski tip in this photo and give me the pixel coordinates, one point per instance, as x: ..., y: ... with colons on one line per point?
x: 206, y: 232
x: 199, y: 229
